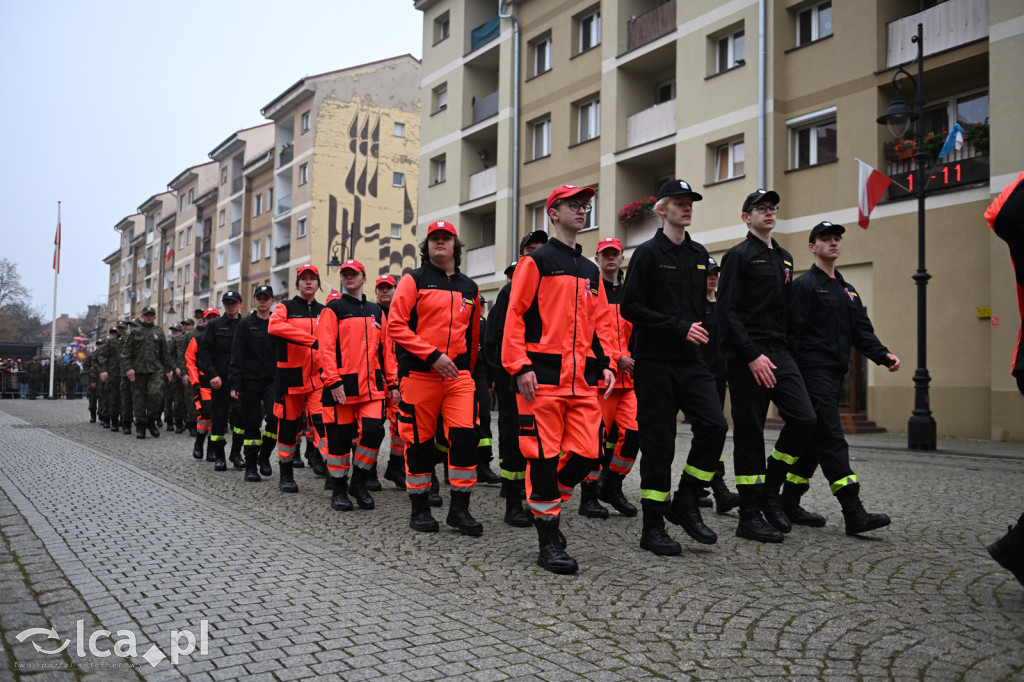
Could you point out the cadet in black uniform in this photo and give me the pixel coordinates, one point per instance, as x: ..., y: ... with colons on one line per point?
x: 213, y: 359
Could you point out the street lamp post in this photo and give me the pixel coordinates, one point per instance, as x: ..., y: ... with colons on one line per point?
x: 921, y: 425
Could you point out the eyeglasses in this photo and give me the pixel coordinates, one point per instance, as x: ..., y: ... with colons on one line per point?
x: 765, y: 208
x: 574, y: 207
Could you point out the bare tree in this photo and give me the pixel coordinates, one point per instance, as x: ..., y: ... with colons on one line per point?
x: 21, y: 323
x: 11, y: 289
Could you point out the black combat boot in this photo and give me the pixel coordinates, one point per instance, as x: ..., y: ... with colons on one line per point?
x: 236, y: 452
x: 433, y: 496
x: 552, y: 556
x: 170, y: 424
x: 197, y: 447
x: 158, y: 421
x: 339, y: 494
x: 420, y: 518
x: 154, y: 430
x: 179, y: 426
x: 725, y: 500
x: 317, y: 464
x: 704, y: 498
x: 797, y: 515
x: 654, y: 538
x: 483, y: 468
x: 358, y: 489
x: 115, y: 424
x: 372, y: 482
x: 126, y: 428
x: 515, y: 515
x: 92, y: 416
x: 684, y: 511
x: 193, y: 430
x: 1008, y: 551
x: 771, y: 505
x: 219, y: 462
x: 105, y: 423
x: 266, y: 449
x: 395, y: 471
x: 140, y: 429
x: 610, y: 491
x: 459, y: 516
x: 752, y: 525
x: 286, y: 481
x: 252, y: 453
x: 857, y: 520
x: 211, y: 449
x: 589, y: 506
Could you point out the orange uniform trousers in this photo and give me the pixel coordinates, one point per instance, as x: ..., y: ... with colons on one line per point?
x: 619, y: 409
x: 289, y: 410
x: 425, y: 397
x: 362, y: 422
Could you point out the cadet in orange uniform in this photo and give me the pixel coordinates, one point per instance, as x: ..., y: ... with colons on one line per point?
x: 385, y: 291
x: 202, y: 395
x: 435, y: 324
x: 298, y: 385
x: 357, y: 374
x: 556, y: 307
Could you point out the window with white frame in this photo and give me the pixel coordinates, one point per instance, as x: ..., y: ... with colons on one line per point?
x: 223, y: 175
x: 729, y: 52
x: 191, y: 197
x: 541, y: 132
x: 966, y: 109
x: 399, y: 130
x: 177, y: 276
x: 189, y: 234
x: 304, y: 174
x: 813, y: 23
x: 398, y: 179
x: 538, y: 219
x: 220, y: 259
x: 188, y: 275
x: 222, y: 218
x: 439, y: 97
x: 300, y: 229
x: 270, y: 198
x: 729, y: 158
x: 257, y: 204
x: 181, y: 204
x: 305, y: 121
x: 396, y: 231
x: 442, y: 27
x: 181, y: 240
x: 590, y: 30
x: 540, y: 51
x: 588, y: 120
x: 255, y: 249
x: 812, y: 139
x: 266, y: 246
x: 438, y: 169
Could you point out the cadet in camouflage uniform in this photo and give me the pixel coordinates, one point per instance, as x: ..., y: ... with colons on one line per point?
x: 181, y: 373
x: 72, y: 373
x: 178, y: 407
x: 127, y: 407
x: 147, y: 366
x: 92, y: 376
x: 109, y: 365
x: 33, y: 372
x: 169, y: 406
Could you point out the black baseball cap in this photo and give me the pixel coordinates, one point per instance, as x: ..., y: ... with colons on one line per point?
x: 675, y: 188
x: 536, y: 237
x: 758, y: 196
x: 713, y: 265
x: 263, y: 289
x: 825, y: 227
x: 511, y: 268
x: 231, y: 295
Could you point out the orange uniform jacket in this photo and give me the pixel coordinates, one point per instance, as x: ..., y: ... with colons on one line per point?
x: 433, y: 313
x: 622, y: 331
x: 558, y: 320
x: 294, y: 322
x: 353, y: 336
x: 190, y: 360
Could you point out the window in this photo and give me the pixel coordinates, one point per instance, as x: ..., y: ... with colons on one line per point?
x: 223, y: 175
x: 399, y: 130
x: 814, y: 23
x: 255, y: 249
x: 257, y: 204
x: 589, y: 120
x: 188, y: 275
x: 189, y: 234
x: 149, y: 254
x: 220, y: 259
x: 590, y: 31
x: 305, y: 121
x: 177, y: 277
x: 181, y: 204
x: 301, y: 228
x: 437, y: 169
x: 442, y: 26
x: 965, y: 109
x: 304, y: 174
x: 266, y: 246
x: 181, y: 240
x: 541, y: 53
x: 222, y: 218
x: 729, y: 160
x: 541, y: 138
x: 398, y: 179
x: 730, y: 52
x: 665, y: 92
x: 396, y: 231
x: 191, y: 197
x: 439, y: 98
x: 270, y: 198
x: 812, y: 139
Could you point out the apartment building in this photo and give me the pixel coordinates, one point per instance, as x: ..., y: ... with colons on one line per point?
x: 196, y: 190
x: 621, y: 95
x: 345, y: 167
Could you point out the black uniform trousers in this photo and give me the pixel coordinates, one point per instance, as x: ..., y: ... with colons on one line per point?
x: 483, y: 420
x: 827, y: 445
x: 510, y: 457
x: 222, y: 410
x: 256, y: 403
x: 750, y: 409
x: 662, y: 390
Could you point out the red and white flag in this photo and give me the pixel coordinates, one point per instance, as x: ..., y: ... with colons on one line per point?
x: 170, y: 252
x: 872, y: 186
x: 56, y: 246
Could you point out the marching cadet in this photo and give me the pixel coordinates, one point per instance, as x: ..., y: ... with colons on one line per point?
x: 109, y: 365
x: 169, y: 405
x: 146, y: 366
x: 395, y: 471
x: 72, y: 373
x: 176, y: 349
x: 201, y: 391
x: 127, y: 404
x: 213, y: 359
x: 33, y: 373
x: 92, y: 372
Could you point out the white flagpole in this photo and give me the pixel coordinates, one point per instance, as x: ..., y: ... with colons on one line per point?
x: 53, y: 325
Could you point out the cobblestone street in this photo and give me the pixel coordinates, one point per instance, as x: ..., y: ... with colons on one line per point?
x: 136, y: 536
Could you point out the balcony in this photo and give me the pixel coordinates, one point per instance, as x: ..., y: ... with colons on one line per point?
x: 946, y: 26
x: 282, y: 254
x: 483, y: 183
x: 480, y: 261
x: 200, y: 284
x: 651, y: 25
x: 284, y: 204
x: 966, y: 166
x: 651, y: 124
x: 285, y: 155
x: 234, y: 271
x: 236, y: 228
x: 485, y: 107
x: 237, y: 184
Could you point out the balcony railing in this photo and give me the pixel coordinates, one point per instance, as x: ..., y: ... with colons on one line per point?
x: 284, y: 204
x: 480, y: 261
x: 651, y: 124
x: 651, y: 25
x: 483, y: 183
x: 641, y: 231
x: 946, y: 25
x: 285, y: 156
x: 236, y: 228
x: 965, y: 166
x: 200, y: 284
x: 485, y: 107
x: 282, y: 254
x: 234, y: 271
x: 237, y: 184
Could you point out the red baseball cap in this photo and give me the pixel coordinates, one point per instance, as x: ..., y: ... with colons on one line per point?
x: 609, y: 243
x: 334, y: 294
x: 566, y: 191
x: 352, y: 264
x: 211, y: 312
x: 385, y: 279
x: 307, y: 268
x: 443, y: 227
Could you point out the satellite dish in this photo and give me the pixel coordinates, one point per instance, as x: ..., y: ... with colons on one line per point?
x: 169, y: 278
x: 141, y: 263
x: 147, y: 294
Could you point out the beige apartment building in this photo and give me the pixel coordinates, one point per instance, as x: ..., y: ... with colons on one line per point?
x: 621, y: 95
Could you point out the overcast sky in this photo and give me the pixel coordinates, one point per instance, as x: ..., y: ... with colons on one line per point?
x: 106, y: 102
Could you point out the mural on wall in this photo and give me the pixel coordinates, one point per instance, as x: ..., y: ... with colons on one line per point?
x: 347, y: 236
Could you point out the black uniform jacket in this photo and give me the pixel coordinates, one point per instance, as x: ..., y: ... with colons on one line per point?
x: 214, y: 353
x: 252, y: 353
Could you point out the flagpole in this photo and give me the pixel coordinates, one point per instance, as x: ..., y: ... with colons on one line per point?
x: 53, y: 324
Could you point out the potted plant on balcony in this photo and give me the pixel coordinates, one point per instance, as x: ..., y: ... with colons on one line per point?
x: 933, y: 143
x: 904, y: 149
x: 636, y: 211
x: 977, y: 134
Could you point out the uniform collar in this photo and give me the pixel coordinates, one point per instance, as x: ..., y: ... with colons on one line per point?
x: 757, y: 240
x: 667, y: 244
x: 558, y: 244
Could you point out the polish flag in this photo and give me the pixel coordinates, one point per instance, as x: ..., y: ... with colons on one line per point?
x: 872, y: 186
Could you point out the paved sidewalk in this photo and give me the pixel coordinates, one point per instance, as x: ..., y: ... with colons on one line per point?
x: 136, y: 536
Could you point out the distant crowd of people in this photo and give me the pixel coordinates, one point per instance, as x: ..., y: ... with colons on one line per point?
x: 31, y: 379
